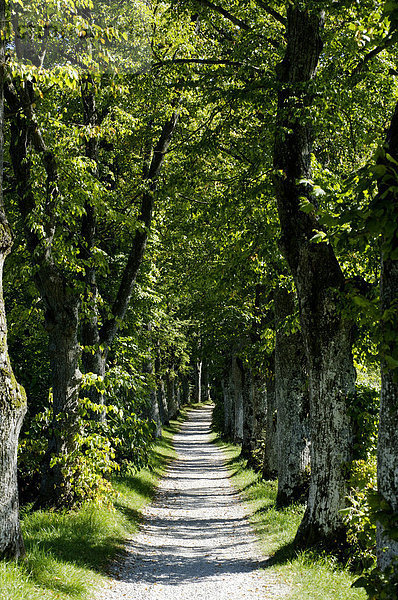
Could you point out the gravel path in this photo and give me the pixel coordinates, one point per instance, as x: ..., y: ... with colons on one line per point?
x: 196, y: 542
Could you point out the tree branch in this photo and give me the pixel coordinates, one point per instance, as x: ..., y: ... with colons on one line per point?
x: 135, y: 258
x: 225, y: 14
x: 203, y: 61
x: 386, y: 43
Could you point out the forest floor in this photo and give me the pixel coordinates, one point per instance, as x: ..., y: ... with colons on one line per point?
x: 196, y: 541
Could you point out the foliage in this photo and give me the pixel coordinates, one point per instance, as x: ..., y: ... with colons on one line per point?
x: 364, y: 411
x: 361, y: 528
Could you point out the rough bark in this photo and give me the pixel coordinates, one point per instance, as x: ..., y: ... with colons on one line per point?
x: 12, y: 395
x: 229, y: 408
x: 318, y: 279
x: 61, y: 321
x: 12, y: 412
x: 248, y: 440
x: 154, y: 409
x: 259, y: 409
x: 270, y: 459
x: 237, y: 378
x: 292, y: 403
x: 387, y: 447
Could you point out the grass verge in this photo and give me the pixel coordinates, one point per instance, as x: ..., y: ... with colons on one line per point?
x: 67, y: 554
x: 310, y: 575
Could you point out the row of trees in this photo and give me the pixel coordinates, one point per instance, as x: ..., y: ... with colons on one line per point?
x: 200, y: 192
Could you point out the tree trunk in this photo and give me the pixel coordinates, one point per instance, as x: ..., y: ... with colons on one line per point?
x: 237, y: 378
x: 205, y: 395
x: 386, y: 203
x: 197, y: 394
x: 12, y: 395
x: 319, y: 281
x: 12, y: 412
x: 61, y: 320
x: 387, y: 447
x: 171, y: 397
x: 229, y: 408
x: 270, y: 461
x: 154, y: 411
x: 292, y: 402
x: 248, y: 440
x: 161, y: 392
x: 186, y: 391
x: 259, y: 410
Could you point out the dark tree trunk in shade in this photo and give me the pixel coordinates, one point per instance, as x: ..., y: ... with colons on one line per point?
x: 248, y: 440
x: 171, y: 396
x: 292, y: 403
x: 12, y: 395
x: 161, y: 391
x: 229, y: 405
x: 319, y: 281
x: 259, y: 409
x: 387, y: 446
x: 270, y: 459
x: 61, y: 324
x: 153, y: 412
x: 237, y: 380
x: 185, y: 389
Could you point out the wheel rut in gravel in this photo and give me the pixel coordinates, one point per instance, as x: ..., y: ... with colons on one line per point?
x: 196, y: 542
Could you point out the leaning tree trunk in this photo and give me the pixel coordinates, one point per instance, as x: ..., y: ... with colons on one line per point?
x: 319, y: 283
x: 387, y: 448
x: 12, y: 395
x: 292, y: 402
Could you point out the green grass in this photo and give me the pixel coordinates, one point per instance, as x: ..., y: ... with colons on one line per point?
x: 67, y: 554
x: 310, y: 575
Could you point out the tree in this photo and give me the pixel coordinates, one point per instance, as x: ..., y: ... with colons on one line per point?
x: 385, y: 206
x: 319, y: 282
x: 12, y: 395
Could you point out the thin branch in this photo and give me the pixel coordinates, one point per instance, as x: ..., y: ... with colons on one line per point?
x: 386, y: 43
x: 225, y: 14
x: 204, y: 61
x: 138, y: 245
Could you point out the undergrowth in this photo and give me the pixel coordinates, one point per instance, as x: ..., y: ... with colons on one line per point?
x: 67, y: 554
x: 309, y: 574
